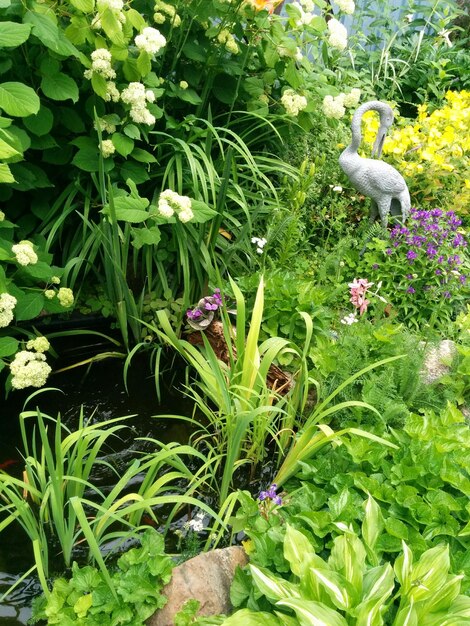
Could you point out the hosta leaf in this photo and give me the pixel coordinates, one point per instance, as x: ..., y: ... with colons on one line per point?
x: 297, y: 550
x: 372, y: 524
x: 314, y: 613
x: 336, y: 587
x: 18, y: 100
x: 13, y: 34
x: 252, y: 618
x: 430, y: 573
x: 273, y: 587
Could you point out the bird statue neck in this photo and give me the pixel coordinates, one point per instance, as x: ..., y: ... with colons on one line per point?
x: 372, y: 105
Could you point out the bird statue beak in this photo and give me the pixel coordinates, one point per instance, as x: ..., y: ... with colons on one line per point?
x: 379, y: 142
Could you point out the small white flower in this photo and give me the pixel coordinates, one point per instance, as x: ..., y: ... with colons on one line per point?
x: 65, y: 296
x: 24, y: 253
x: 7, y: 304
x: 112, y: 92
x: 183, y: 84
x: 101, y: 64
x: 40, y: 344
x: 50, y: 293
x: 260, y: 243
x: 186, y: 215
x: 338, y: 188
x: 349, y: 319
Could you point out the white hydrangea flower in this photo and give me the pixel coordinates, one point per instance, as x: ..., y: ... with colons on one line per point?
x: 338, y: 34
x: 2, y: 216
x: 29, y: 369
x: 104, y: 126
x: 151, y: 40
x: 137, y: 96
x: 159, y: 18
x: 346, y: 6
x: 292, y: 102
x: 334, y: 107
x: 170, y: 202
x: 112, y: 92
x: 183, y: 84
x: 40, y: 344
x: 24, y: 253
x: 107, y: 148
x: 55, y: 280
x: 100, y: 64
x: 306, y: 13
x: 186, y: 215
x: 352, y: 98
x: 7, y: 304
x: 65, y: 296
x: 50, y: 293
x: 116, y: 6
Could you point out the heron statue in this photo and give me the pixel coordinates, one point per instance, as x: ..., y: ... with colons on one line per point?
x: 378, y: 180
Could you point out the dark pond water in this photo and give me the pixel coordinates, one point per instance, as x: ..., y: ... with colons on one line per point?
x: 100, y: 390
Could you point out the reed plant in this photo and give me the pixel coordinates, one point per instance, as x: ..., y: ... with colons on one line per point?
x: 56, y: 498
x: 242, y: 413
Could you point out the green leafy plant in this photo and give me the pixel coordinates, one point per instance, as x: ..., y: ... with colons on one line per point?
x: 130, y: 596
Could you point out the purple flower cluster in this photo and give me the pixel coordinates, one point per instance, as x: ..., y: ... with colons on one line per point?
x: 271, y: 495
x: 208, y: 303
x: 433, y: 243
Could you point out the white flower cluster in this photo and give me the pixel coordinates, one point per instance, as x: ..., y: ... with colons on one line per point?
x: 7, y: 304
x: 226, y: 38
x: 40, y: 344
x: 285, y: 52
x: 112, y: 92
x: 100, y: 64
x: 150, y: 40
x: 164, y: 10
x: 349, y: 319
x: 29, y: 369
x: 183, y: 84
x: 104, y: 126
x: 65, y: 297
x: 259, y: 242
x: 170, y: 202
x: 137, y: 96
x: 107, y: 148
x: 115, y: 6
x: 305, y: 9
x: 352, y: 98
x: 196, y: 524
x: 292, y: 102
x: 346, y: 6
x: 24, y: 253
x: 335, y: 107
x: 338, y: 37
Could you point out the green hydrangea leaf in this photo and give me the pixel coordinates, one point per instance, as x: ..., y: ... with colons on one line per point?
x: 18, y: 100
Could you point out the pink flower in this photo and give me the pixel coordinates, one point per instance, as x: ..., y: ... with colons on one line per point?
x: 358, y: 290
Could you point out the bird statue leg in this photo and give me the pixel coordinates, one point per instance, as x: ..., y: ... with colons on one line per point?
x: 374, y: 211
x: 384, y: 210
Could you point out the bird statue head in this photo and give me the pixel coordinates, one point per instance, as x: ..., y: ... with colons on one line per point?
x: 386, y: 120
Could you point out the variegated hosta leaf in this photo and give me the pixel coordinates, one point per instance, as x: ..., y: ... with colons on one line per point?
x: 314, y: 613
x: 430, y: 573
x: 273, y: 587
x: 298, y: 551
x: 457, y: 614
x: 348, y: 558
x: 407, y: 616
x: 339, y: 590
x: 403, y: 567
x: 252, y: 618
x: 372, y: 526
x: 443, y: 597
x: 378, y: 583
